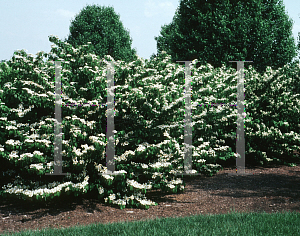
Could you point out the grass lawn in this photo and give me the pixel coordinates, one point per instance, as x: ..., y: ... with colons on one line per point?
x: 233, y: 223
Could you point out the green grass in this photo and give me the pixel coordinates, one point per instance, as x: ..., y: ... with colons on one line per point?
x: 234, y: 223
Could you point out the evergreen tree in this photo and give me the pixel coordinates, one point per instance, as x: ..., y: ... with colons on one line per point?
x: 298, y: 42
x: 218, y: 31
x: 102, y: 27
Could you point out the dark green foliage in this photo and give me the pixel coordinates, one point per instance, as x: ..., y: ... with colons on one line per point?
x: 298, y: 47
x: 218, y: 31
x: 102, y: 27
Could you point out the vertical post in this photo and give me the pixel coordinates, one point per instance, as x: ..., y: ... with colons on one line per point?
x: 110, y: 148
x: 57, y: 124
x: 188, y: 123
x: 240, y: 143
x: 240, y: 134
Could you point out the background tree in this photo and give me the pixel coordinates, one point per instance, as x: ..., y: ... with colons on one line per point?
x: 298, y: 41
x: 102, y: 27
x: 218, y: 31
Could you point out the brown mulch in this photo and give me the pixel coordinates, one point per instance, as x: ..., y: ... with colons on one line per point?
x: 271, y: 190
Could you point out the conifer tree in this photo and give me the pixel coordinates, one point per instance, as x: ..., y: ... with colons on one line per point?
x: 102, y: 27
x: 218, y: 31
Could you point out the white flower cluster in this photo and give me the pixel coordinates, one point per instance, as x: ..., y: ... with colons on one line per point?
x: 42, y: 190
x: 163, y: 160
x: 137, y: 185
x: 36, y: 166
x: 125, y: 200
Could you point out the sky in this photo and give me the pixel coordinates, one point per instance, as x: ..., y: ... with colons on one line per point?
x: 26, y: 24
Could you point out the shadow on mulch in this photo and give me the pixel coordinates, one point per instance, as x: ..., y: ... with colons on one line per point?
x: 276, y: 184
x: 285, y: 186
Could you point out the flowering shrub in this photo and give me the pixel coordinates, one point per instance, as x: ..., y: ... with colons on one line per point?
x: 149, y: 123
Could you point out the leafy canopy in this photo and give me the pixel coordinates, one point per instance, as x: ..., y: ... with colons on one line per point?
x: 102, y: 27
x: 218, y: 31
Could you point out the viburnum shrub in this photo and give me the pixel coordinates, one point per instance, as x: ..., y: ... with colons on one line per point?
x: 149, y: 123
